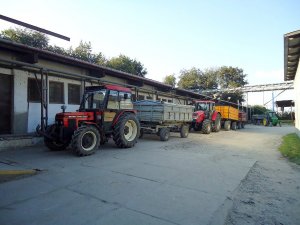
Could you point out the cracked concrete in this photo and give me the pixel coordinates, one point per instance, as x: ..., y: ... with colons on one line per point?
x: 182, y: 181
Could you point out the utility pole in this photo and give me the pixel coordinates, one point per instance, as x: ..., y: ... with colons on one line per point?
x: 273, y: 109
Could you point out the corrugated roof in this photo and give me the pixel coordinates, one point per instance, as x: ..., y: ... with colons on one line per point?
x: 291, y: 54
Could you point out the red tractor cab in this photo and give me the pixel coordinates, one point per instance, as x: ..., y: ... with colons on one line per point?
x: 205, y: 117
x: 105, y: 111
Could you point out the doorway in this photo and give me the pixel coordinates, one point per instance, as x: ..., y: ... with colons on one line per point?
x: 6, y: 91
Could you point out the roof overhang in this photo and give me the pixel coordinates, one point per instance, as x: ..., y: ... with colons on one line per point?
x: 291, y: 54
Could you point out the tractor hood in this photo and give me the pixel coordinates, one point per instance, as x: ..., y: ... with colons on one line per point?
x: 87, y: 115
x: 198, y: 114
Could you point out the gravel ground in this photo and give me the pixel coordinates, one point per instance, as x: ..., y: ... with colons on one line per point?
x: 234, y: 177
x: 270, y: 193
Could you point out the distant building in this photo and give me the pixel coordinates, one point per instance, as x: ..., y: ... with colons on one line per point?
x: 292, y: 69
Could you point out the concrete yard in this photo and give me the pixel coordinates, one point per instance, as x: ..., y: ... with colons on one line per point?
x: 234, y: 177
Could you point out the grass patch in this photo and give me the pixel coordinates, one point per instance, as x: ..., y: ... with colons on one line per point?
x: 290, y: 147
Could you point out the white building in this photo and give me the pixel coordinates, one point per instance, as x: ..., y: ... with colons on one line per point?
x: 21, y: 68
x: 292, y: 69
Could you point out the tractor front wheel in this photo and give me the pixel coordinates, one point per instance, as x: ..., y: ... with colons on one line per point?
x: 206, y: 127
x: 52, y: 144
x: 126, y: 131
x: 217, y: 124
x: 85, y: 140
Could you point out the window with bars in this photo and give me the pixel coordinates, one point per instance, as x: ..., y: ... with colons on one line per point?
x: 74, y: 94
x: 56, y: 92
x: 33, y: 92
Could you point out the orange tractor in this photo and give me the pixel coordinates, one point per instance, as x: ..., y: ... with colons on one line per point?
x: 105, y: 111
x: 205, y: 117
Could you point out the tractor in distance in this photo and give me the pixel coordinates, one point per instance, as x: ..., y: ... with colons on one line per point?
x: 205, y: 117
x: 270, y: 118
x: 105, y: 111
x: 266, y: 119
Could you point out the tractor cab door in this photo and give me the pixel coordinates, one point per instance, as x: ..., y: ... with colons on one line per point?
x: 211, y: 106
x: 116, y: 102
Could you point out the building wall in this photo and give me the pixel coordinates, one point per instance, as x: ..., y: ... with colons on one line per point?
x: 26, y: 115
x: 297, y: 100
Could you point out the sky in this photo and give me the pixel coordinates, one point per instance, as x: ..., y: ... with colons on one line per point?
x: 168, y: 36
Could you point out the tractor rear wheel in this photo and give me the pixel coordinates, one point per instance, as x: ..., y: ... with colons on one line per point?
x: 164, y: 134
x: 52, y: 144
x: 126, y: 131
x: 184, y: 131
x: 233, y: 126
x: 227, y: 125
x: 85, y: 140
x: 206, y: 127
x: 217, y: 124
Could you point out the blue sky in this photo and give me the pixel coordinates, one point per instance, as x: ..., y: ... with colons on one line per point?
x: 167, y: 36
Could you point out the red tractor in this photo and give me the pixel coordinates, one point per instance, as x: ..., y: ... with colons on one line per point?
x: 105, y: 111
x: 205, y: 117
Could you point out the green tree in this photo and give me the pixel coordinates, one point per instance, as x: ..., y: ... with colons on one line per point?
x: 128, y: 65
x: 196, y: 79
x: 170, y: 80
x: 231, y: 77
x: 259, y: 109
x: 84, y: 52
x: 27, y: 37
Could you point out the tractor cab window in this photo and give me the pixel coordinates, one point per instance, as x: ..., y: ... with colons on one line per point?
x: 113, y: 102
x: 125, y: 100
x: 272, y: 114
x: 201, y: 106
x: 93, y: 100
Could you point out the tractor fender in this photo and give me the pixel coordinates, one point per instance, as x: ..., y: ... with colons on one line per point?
x: 121, y: 113
x: 214, y: 115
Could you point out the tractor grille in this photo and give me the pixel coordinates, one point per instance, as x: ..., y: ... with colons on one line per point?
x: 72, y: 124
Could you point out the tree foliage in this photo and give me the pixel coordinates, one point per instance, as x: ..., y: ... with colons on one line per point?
x: 128, y: 65
x: 259, y: 109
x: 213, y: 78
x: 195, y: 78
x: 27, y: 37
x: 170, y: 80
x: 83, y: 51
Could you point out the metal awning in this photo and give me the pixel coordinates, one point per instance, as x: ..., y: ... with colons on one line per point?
x: 285, y: 103
x: 291, y: 54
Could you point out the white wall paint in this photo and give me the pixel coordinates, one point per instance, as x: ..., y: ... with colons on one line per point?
x: 297, y: 101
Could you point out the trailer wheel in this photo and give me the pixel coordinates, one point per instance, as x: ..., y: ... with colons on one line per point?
x: 227, y: 125
x: 126, y: 131
x: 239, y: 125
x: 85, y: 140
x: 217, y: 124
x: 54, y: 145
x: 184, y: 131
x: 206, y: 127
x: 164, y: 134
x: 233, y: 126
